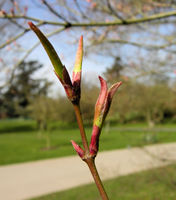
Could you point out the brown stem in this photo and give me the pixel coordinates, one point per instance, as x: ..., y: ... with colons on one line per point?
x: 81, y: 127
x: 91, y: 163
x: 87, y: 158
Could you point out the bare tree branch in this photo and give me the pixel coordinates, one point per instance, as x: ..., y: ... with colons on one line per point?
x: 54, y: 11
x: 114, y: 12
x: 87, y: 24
x: 149, y: 47
x: 17, y: 36
x: 80, y: 10
x: 29, y: 51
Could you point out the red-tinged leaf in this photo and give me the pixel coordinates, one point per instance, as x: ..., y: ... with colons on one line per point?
x: 113, y: 89
x: 94, y: 143
x: 101, y: 110
x: 100, y: 104
x: 78, y: 149
x: 110, y: 95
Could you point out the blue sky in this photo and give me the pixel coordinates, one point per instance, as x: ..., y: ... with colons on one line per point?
x: 66, y: 49
x: 65, y: 44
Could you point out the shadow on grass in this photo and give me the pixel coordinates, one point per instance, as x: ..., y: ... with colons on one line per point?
x: 21, y: 126
x: 17, y: 128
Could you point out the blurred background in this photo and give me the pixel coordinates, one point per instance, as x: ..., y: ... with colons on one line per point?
x: 130, y: 41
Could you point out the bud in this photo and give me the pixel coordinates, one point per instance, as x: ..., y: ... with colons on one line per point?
x: 101, y: 103
x: 25, y: 10
x: 12, y: 11
x: 76, y: 77
x: 72, y: 88
x: 78, y: 61
x: 3, y: 12
x: 15, y: 3
x: 101, y: 110
x: 78, y: 149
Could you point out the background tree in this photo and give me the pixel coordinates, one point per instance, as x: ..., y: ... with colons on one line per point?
x: 114, y: 72
x: 153, y: 101
x: 140, y: 99
x: 22, y: 90
x: 88, y: 99
x: 64, y: 111
x: 43, y: 110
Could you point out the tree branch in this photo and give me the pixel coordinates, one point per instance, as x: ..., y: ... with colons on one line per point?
x: 87, y: 24
x: 80, y: 10
x: 27, y: 54
x: 54, y: 11
x: 17, y: 24
x: 32, y: 19
x: 147, y: 47
x: 114, y: 12
x: 17, y: 36
x: 13, y: 39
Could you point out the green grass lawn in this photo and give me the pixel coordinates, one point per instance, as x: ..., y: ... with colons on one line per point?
x: 155, y: 184
x: 20, y: 141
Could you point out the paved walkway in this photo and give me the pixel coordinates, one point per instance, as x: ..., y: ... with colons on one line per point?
x: 27, y: 180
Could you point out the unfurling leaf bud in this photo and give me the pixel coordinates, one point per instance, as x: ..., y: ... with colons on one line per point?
x: 101, y: 103
x: 55, y: 60
x: 76, y: 76
x: 78, y: 149
x: 101, y: 110
x: 72, y: 88
x: 78, y: 62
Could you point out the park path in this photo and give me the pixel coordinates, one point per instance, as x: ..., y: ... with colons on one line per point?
x: 32, y: 179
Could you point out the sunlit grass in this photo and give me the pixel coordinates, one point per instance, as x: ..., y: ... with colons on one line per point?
x: 21, y: 142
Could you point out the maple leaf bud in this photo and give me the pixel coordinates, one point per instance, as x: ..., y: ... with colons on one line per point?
x: 72, y: 90
x: 76, y: 76
x: 78, y: 61
x: 78, y: 149
x: 101, y: 110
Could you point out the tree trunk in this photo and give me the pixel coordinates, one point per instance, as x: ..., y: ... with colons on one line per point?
x: 149, y: 120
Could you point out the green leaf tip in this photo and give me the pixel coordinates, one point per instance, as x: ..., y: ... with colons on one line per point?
x: 79, y: 56
x: 55, y: 60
